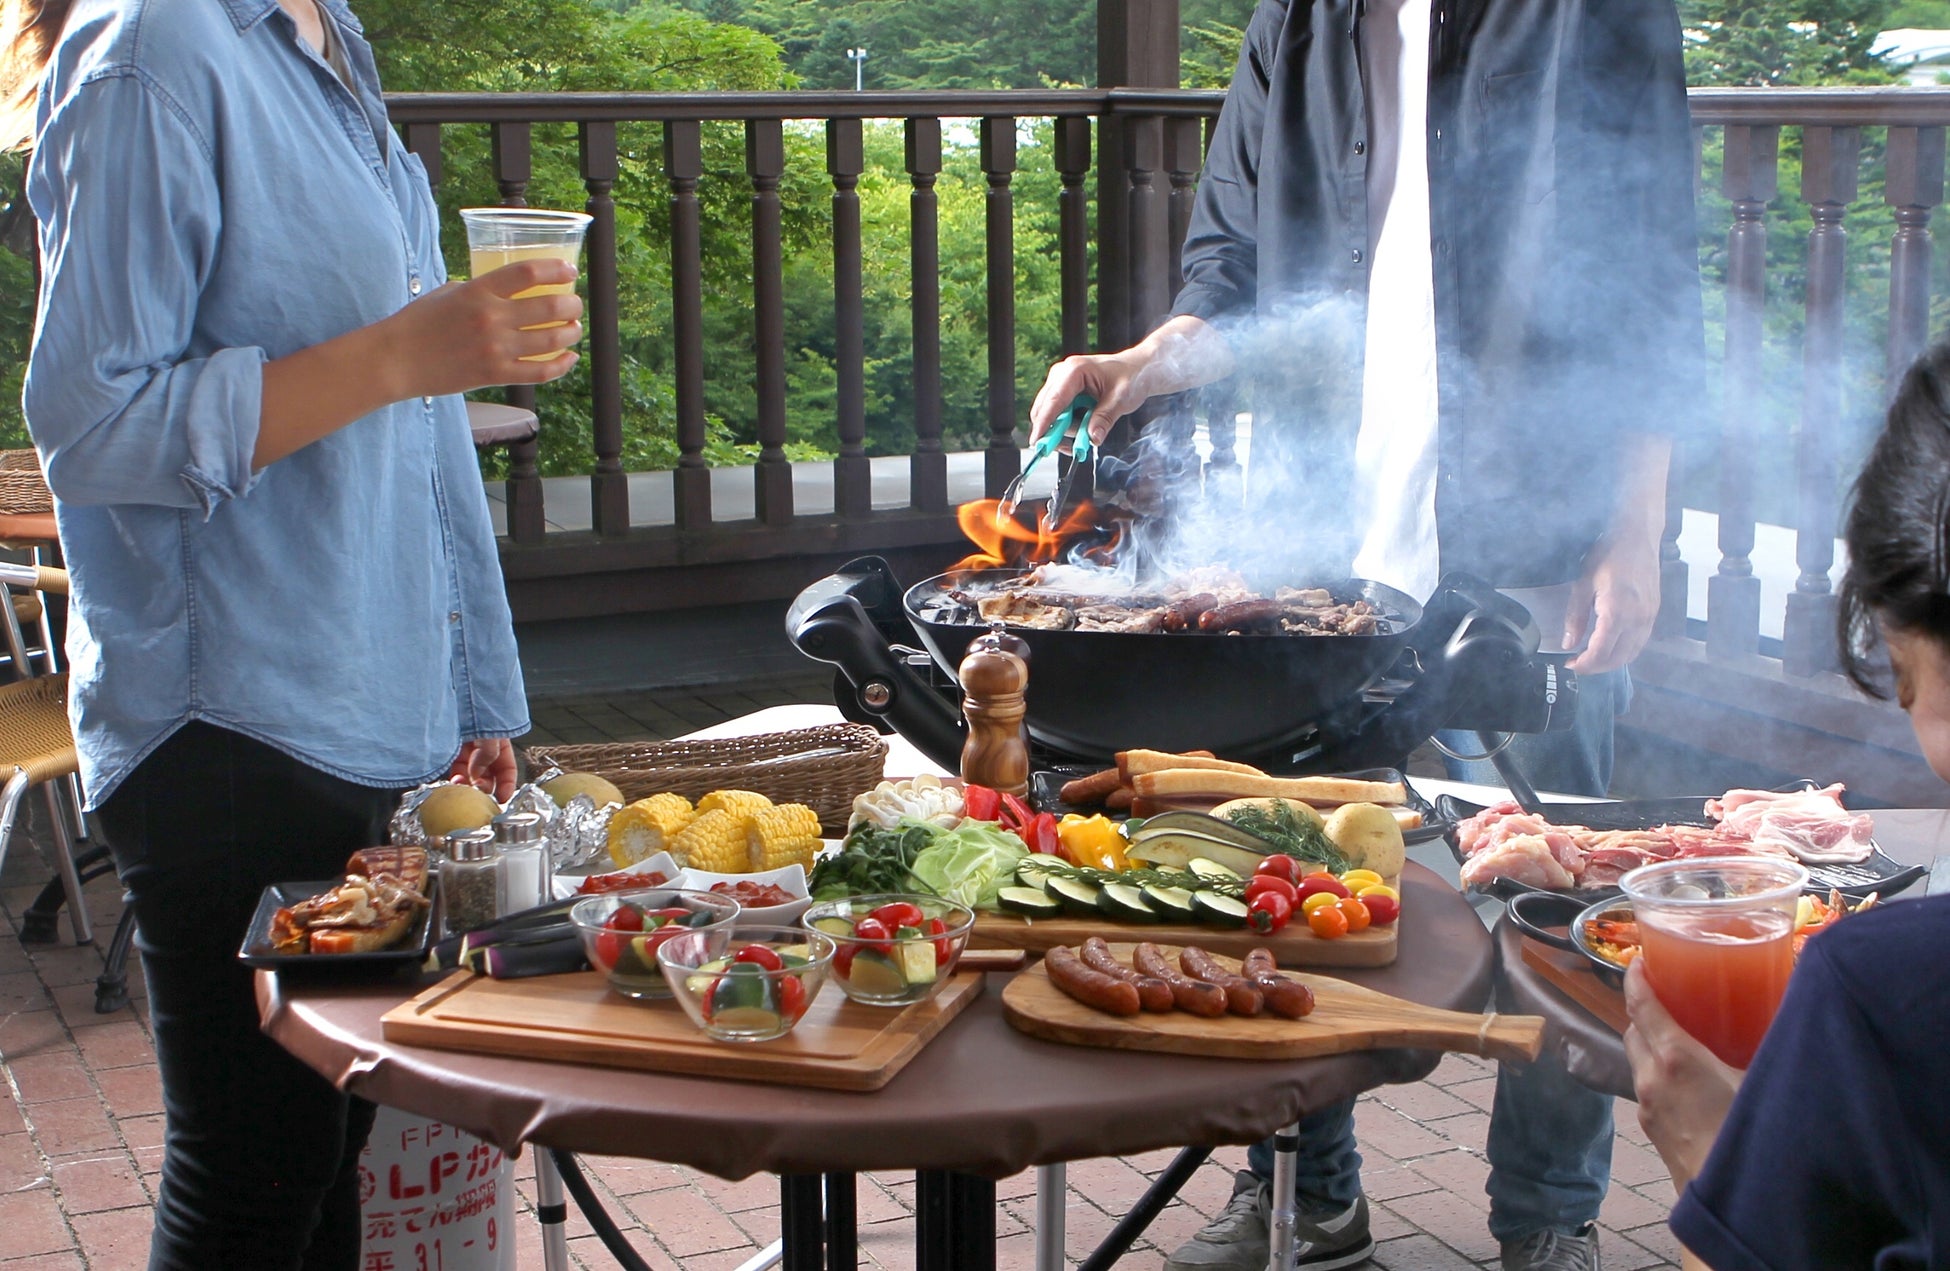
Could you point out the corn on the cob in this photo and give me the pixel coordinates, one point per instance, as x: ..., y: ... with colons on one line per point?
x: 742, y: 802
x: 782, y: 836
x: 714, y: 842
x: 644, y: 828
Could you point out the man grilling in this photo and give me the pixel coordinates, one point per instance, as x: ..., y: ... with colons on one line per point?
x: 1491, y: 203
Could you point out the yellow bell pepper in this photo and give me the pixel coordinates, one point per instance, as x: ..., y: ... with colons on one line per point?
x: 1094, y: 841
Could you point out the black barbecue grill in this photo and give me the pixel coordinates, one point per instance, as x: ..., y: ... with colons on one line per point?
x: 1286, y: 703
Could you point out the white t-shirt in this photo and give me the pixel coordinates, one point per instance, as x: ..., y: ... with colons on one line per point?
x: 1395, y: 454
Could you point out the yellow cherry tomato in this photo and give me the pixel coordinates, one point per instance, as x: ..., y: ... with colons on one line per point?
x: 1378, y: 889
x: 1356, y: 879
x: 1355, y: 912
x: 1319, y: 900
x: 1328, y: 922
x: 1095, y: 841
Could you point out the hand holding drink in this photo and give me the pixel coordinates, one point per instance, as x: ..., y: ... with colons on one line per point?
x: 502, y: 236
x: 1716, y: 936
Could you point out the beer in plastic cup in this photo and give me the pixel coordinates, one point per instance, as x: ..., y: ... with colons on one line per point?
x: 1716, y: 935
x: 498, y: 236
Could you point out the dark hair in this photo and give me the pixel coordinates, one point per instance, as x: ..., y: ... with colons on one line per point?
x: 1898, y: 528
x: 28, y: 31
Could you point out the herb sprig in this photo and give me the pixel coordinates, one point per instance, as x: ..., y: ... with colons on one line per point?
x: 1290, y: 833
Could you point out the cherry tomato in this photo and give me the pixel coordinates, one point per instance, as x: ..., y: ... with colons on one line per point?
x: 792, y: 997
x: 1378, y: 889
x: 624, y: 918
x: 1356, y: 879
x: 1355, y: 912
x: 1382, y: 910
x: 1322, y: 882
x: 843, y: 958
x: 662, y: 933
x: 1318, y: 900
x: 1328, y: 922
x: 899, y: 914
x: 944, y: 948
x: 871, y: 931
x: 760, y: 956
x: 1264, y: 883
x: 1279, y: 865
x: 609, y: 949
x: 981, y: 803
x: 1267, y: 912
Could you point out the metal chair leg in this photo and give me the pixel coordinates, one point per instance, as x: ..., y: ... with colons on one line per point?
x: 112, y: 985
x: 554, y: 1212
x: 1283, y: 1251
x: 1052, y: 1211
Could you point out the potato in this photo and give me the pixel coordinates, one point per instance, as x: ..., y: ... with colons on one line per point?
x: 1369, y: 836
x: 1305, y: 811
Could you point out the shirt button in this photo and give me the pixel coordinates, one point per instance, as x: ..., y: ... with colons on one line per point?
x: 413, y: 284
x: 426, y: 401
x: 1360, y: 147
x: 454, y: 616
x: 1357, y: 255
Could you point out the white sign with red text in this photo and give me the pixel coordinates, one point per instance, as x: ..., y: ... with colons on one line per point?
x: 434, y: 1199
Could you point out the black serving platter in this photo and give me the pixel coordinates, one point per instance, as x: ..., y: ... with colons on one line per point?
x: 257, y: 950
x: 1537, y: 913
x: 1046, y: 787
x: 1881, y: 873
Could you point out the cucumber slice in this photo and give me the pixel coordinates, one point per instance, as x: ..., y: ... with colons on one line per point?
x: 1034, y: 870
x: 916, y: 961
x: 1075, y: 895
x: 1212, y: 869
x: 1173, y: 904
x: 1031, y: 902
x: 834, y: 926
x: 876, y: 974
x: 1222, y: 911
x: 1125, y: 903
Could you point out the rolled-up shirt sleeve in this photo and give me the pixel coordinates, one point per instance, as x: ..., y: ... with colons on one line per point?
x: 122, y: 403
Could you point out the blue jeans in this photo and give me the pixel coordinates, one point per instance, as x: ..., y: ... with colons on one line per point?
x: 1550, y: 1136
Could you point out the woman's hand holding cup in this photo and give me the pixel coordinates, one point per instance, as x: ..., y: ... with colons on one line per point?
x: 469, y: 335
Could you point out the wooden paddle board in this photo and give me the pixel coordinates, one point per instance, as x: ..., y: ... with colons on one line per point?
x: 1294, y: 946
x: 1346, y: 1017
x: 1577, y: 979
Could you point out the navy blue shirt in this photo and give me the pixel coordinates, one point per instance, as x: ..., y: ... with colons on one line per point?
x: 1837, y: 1151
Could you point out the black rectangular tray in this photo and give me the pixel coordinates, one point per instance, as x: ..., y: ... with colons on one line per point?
x: 1046, y: 786
x: 257, y: 950
x: 1880, y: 873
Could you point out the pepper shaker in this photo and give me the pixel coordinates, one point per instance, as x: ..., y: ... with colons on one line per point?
x: 470, y: 882
x: 994, y: 678
x: 525, y: 873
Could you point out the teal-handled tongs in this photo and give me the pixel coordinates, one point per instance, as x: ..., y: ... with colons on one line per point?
x: 1082, y: 452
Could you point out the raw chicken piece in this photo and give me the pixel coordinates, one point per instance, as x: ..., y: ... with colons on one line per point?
x: 1523, y: 858
x: 1809, y: 825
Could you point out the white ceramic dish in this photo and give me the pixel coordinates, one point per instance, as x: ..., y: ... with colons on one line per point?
x: 792, y: 879
x: 566, y: 884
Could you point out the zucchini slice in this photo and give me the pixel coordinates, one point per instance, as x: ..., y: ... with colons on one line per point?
x: 1173, y: 904
x: 1125, y: 903
x: 1204, y: 868
x: 1075, y: 895
x: 1031, y: 902
x: 1222, y: 911
x: 1032, y: 871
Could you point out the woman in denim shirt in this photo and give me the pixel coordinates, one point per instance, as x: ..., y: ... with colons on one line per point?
x: 286, y: 599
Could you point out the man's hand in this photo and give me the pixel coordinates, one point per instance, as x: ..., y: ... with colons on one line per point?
x: 1182, y: 354
x: 1617, y: 600
x: 1684, y: 1089
x: 487, y: 765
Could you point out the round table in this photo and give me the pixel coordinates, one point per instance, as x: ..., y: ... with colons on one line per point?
x: 981, y: 1099
x: 1592, y: 1050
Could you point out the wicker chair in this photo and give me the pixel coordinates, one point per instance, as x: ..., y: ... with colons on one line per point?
x: 37, y: 744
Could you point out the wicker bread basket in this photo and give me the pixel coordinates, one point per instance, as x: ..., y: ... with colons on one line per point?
x: 23, y: 490
x: 825, y: 768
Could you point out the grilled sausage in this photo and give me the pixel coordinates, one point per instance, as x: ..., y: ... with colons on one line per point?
x: 1289, y: 999
x: 1153, y: 994
x: 1093, y: 988
x: 1183, y: 615
x: 1242, y: 998
x: 1091, y: 789
x: 1193, y: 996
x: 1241, y: 615
x: 1120, y: 799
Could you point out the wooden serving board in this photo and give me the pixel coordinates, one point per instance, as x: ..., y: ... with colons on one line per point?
x: 1346, y: 1017
x: 1575, y: 977
x: 1295, y: 946
x: 838, y: 1045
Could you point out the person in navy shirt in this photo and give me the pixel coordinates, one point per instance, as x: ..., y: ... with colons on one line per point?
x: 1832, y: 1150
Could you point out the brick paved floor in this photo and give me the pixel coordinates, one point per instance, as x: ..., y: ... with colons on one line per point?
x: 81, y: 1124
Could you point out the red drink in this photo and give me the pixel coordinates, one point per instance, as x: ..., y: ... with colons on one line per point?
x: 1721, y: 975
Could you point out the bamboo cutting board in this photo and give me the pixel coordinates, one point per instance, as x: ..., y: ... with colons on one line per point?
x: 1346, y: 1017
x: 1294, y: 946
x: 838, y: 1045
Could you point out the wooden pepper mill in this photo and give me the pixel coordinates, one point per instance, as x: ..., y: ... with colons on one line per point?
x: 994, y: 675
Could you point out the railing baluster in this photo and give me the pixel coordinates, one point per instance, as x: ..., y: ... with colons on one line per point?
x: 424, y: 141
x: 1150, y: 247
x: 609, y: 486
x: 1184, y: 156
x: 1828, y: 182
x: 1913, y: 185
x: 852, y: 474
x: 999, y: 165
x: 927, y: 468
x: 1674, y: 573
x: 765, y: 164
x: 1073, y: 230
x: 512, y: 170
x: 683, y: 166
x: 1733, y: 594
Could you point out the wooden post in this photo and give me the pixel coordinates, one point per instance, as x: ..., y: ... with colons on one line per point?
x: 1073, y: 231
x: 1184, y: 156
x: 852, y: 474
x: 1913, y: 185
x: 609, y: 485
x: 1137, y: 47
x: 998, y: 148
x: 765, y: 164
x: 509, y: 146
x: 683, y: 166
x: 928, y: 467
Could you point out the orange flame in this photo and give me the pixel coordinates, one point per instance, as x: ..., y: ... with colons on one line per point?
x: 1008, y: 542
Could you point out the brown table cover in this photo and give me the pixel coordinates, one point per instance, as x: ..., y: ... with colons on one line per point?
x: 1585, y: 1045
x: 981, y: 1098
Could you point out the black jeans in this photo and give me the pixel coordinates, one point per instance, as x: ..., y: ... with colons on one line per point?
x: 261, y: 1154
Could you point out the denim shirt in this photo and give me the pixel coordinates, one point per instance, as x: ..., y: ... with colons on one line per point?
x: 212, y: 197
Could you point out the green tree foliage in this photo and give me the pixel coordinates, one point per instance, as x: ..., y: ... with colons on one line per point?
x: 927, y: 44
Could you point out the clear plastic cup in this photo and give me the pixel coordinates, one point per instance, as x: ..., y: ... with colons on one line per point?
x: 498, y: 236
x: 1716, y: 934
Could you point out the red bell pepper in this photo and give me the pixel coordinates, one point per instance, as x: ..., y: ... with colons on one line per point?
x: 1016, y: 813
x: 981, y: 803
x: 1040, y: 834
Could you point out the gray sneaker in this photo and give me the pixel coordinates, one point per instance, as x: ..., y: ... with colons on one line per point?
x: 1237, y: 1240
x: 1549, y: 1250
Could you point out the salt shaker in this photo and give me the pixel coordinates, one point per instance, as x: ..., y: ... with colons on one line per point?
x: 525, y: 872
x: 470, y: 882
x: 994, y: 676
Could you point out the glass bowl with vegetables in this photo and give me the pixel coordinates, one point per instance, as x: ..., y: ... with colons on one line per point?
x: 752, y: 987
x: 620, y: 931
x: 894, y: 950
